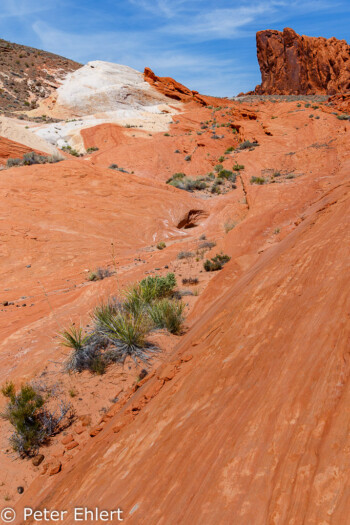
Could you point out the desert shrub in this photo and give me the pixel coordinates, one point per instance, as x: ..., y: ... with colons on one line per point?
x: 71, y: 151
x: 184, y: 255
x: 247, y: 145
x: 92, y: 149
x: 13, y: 162
x: 73, y: 337
x: 237, y: 167
x: 190, y: 280
x: 188, y: 158
x: 161, y: 245
x: 99, y: 274
x: 168, y: 314
x: 216, y: 263
x: 229, y: 150
x: 343, y: 117
x: 207, y: 245
x: 33, y: 423
x: 157, y: 287
x: 221, y: 159
x: 227, y: 174
x: 34, y: 158
x: 89, y: 356
x: 166, y: 134
x: 257, y: 180
x: 186, y: 183
x: 218, y: 168
x: 126, y: 333
x: 215, y: 188
x: 276, y: 173
x: 113, y: 166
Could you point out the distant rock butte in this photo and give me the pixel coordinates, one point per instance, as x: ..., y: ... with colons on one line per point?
x: 291, y: 64
x: 172, y: 89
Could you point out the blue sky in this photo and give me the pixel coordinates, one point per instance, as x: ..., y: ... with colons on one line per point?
x: 207, y: 45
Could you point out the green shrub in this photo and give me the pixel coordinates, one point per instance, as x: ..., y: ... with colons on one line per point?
x: 218, y: 168
x: 343, y: 117
x: 247, y: 145
x: 221, y: 159
x: 216, y: 263
x: 157, y: 287
x: 257, y: 180
x: 71, y: 151
x: 182, y: 182
x: 168, y: 314
x: 231, y: 148
x: 238, y: 167
x: 126, y: 333
x: 33, y: 423
x: 13, y: 162
x: 185, y: 255
x: 73, y: 337
x: 227, y: 174
x: 99, y: 274
x: 92, y: 149
x: 161, y: 245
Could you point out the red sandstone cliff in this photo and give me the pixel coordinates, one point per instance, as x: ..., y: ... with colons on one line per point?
x: 291, y: 64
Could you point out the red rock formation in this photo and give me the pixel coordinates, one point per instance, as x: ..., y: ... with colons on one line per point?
x: 340, y: 103
x: 172, y: 89
x: 291, y: 64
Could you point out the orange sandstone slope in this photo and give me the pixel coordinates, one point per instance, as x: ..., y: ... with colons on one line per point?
x: 253, y: 428
x: 248, y: 420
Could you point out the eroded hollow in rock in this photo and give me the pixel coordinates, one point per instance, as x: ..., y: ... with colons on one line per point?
x: 192, y: 219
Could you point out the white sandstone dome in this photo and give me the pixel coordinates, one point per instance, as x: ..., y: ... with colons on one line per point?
x: 103, y: 86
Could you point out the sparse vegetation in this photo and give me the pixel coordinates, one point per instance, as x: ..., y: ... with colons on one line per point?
x: 257, y: 180
x: 185, y: 255
x: 248, y: 145
x: 121, y: 328
x: 33, y: 423
x: 99, y: 274
x: 238, y: 167
x: 33, y: 158
x: 168, y: 314
x: 161, y: 245
x: 71, y: 151
x: 216, y: 263
x: 92, y: 149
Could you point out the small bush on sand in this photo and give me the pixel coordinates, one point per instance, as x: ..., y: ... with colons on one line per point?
x: 92, y: 149
x: 161, y: 245
x: 257, y: 180
x: 168, y: 314
x: 216, y: 263
x: 228, y: 175
x: 13, y: 162
x: 190, y: 280
x: 99, y: 274
x: 182, y: 182
x: 71, y: 151
x: 185, y: 255
x: 126, y: 333
x: 33, y: 423
x: 238, y: 167
x: 33, y: 158
x: 248, y: 145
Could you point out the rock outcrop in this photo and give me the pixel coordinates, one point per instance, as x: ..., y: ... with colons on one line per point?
x: 291, y: 64
x: 172, y: 89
